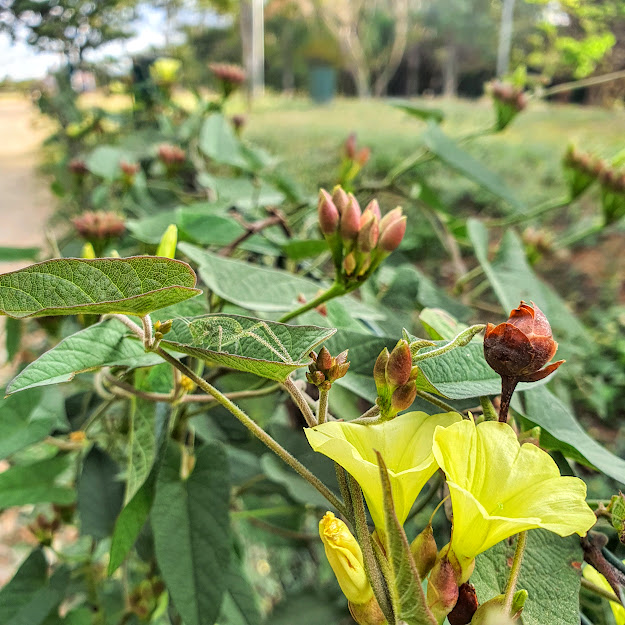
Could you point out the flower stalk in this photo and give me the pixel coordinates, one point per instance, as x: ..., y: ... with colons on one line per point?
x: 514, y: 572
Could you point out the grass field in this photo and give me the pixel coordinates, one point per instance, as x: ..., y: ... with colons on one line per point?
x: 527, y: 154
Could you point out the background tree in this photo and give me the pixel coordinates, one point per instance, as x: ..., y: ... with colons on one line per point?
x: 69, y: 27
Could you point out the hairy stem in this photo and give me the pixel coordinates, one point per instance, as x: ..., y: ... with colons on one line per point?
x: 439, y: 403
x: 366, y: 543
x: 514, y: 572
x: 490, y: 414
x: 300, y: 401
x: 322, y: 411
x: 255, y: 429
x: 336, y: 290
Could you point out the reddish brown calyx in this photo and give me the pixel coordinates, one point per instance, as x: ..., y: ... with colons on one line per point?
x: 519, y: 349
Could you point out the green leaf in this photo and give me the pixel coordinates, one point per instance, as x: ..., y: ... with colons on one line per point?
x: 14, y: 330
x: 141, y: 444
x: 29, y: 578
x: 306, y: 248
x: 440, y: 325
x: 262, y: 289
x: 105, y: 344
x: 42, y: 602
x: 550, y: 573
x: 190, y: 522
x: 34, y: 483
x: 514, y: 280
x: 105, y: 161
x: 250, y: 286
x: 70, y: 286
x: 455, y: 157
x: 240, y: 606
x: 218, y: 141
x: 543, y: 408
x: 407, y: 596
x: 29, y: 418
x: 135, y: 514
x: 309, y: 607
x: 417, y: 110
x: 100, y: 494
x: 265, y: 348
x: 11, y: 254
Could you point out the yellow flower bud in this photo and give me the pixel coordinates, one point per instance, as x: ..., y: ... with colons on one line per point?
x: 345, y: 558
x: 169, y: 240
x: 88, y: 251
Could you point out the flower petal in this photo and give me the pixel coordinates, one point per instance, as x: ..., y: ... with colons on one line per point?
x: 405, y: 443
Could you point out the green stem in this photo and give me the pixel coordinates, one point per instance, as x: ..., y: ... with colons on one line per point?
x: 462, y: 339
x: 341, y: 478
x: 514, y: 572
x: 263, y: 512
x: 541, y: 209
x: 366, y: 544
x: 601, y: 592
x: 490, y: 414
x: 255, y: 429
x: 336, y: 290
x: 322, y: 411
x: 439, y: 403
x: 300, y: 401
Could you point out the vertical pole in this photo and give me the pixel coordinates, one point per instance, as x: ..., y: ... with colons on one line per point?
x: 258, y: 48
x: 505, y: 37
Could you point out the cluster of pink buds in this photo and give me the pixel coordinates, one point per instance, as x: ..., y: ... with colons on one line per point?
x: 509, y: 102
x: 99, y: 225
x: 359, y: 240
x: 171, y: 154
x: 229, y: 75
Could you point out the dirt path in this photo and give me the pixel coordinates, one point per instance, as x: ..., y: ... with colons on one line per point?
x: 25, y: 201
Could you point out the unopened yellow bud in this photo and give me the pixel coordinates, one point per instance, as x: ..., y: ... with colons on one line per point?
x: 187, y: 384
x: 169, y: 240
x: 345, y: 558
x: 88, y: 251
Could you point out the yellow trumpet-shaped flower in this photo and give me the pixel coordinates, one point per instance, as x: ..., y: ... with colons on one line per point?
x: 345, y: 558
x: 405, y: 443
x: 499, y: 488
x: 592, y: 575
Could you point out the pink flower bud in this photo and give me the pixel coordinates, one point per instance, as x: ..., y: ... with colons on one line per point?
x: 369, y: 231
x: 350, y: 219
x: 393, y: 235
x: 442, y: 593
x: 340, y: 198
x: 399, y: 365
x: 328, y: 213
x: 379, y: 369
x: 374, y: 207
x: 390, y: 217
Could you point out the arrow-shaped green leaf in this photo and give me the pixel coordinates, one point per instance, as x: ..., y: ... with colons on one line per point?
x: 265, y: 348
x: 69, y: 286
x: 406, y: 592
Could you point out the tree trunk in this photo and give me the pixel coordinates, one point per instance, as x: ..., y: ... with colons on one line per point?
x: 245, y: 26
x: 288, y: 54
x: 398, y: 47
x: 413, y: 64
x: 450, y: 71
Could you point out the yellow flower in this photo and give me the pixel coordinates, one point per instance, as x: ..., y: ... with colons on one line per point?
x: 592, y: 575
x: 345, y: 558
x: 499, y: 488
x: 405, y: 443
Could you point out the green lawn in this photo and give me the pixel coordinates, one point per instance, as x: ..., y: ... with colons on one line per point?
x: 527, y: 154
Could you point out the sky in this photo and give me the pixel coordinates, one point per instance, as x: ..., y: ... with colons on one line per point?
x: 21, y: 62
